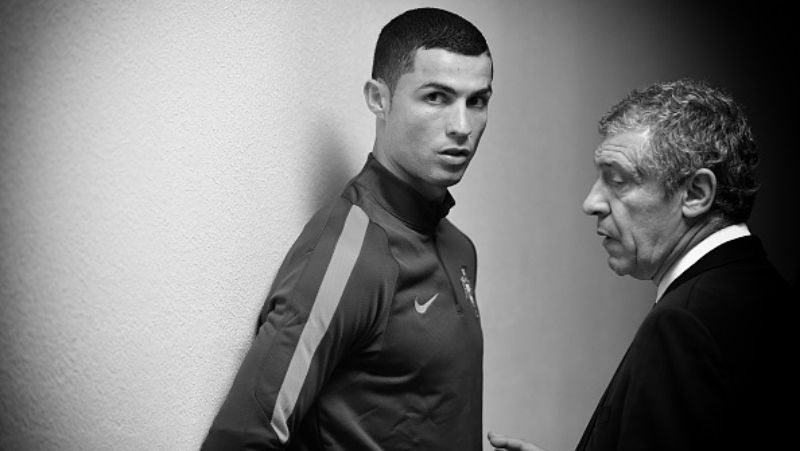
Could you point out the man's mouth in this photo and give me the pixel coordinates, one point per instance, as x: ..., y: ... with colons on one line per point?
x: 455, y: 155
x: 607, y: 236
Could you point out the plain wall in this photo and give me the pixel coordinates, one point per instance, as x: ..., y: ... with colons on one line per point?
x: 159, y: 158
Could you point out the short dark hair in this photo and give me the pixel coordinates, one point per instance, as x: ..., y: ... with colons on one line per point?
x: 692, y: 125
x: 422, y: 28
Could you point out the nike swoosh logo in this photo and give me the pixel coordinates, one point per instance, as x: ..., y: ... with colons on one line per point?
x: 422, y: 308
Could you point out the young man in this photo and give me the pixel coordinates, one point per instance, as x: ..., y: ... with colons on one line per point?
x: 708, y: 367
x: 370, y: 337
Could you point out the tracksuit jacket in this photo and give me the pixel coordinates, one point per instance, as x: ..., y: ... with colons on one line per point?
x: 370, y: 337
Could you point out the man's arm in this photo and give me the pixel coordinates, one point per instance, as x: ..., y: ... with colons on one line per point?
x: 318, y: 309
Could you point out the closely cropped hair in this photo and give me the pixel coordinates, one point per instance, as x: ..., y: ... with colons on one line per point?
x: 423, y: 28
x: 692, y: 126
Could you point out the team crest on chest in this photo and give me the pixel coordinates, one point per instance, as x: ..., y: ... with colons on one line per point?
x: 468, y: 292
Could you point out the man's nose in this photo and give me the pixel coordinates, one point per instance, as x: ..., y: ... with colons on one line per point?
x: 458, y: 121
x: 595, y: 203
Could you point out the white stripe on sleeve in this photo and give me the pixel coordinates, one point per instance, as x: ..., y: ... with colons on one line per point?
x: 330, y: 292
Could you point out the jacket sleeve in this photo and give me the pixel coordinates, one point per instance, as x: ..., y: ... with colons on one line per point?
x: 326, y: 300
x: 675, y: 399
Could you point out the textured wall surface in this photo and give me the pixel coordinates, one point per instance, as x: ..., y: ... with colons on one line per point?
x: 159, y: 157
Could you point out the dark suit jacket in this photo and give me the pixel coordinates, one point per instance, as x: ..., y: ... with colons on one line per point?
x: 708, y: 367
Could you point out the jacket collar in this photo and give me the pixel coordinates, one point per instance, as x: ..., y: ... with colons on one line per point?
x: 693, y: 255
x: 402, y: 200
x: 744, y: 248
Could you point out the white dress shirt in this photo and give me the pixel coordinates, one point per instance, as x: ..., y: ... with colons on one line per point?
x: 688, y: 259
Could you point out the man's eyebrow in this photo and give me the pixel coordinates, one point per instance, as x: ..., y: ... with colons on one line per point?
x: 485, y: 91
x: 448, y: 89
x: 602, y: 160
x: 625, y: 166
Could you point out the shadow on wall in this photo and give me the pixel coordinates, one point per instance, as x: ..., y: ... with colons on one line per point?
x: 330, y: 162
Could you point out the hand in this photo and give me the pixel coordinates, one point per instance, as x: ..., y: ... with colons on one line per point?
x: 511, y: 444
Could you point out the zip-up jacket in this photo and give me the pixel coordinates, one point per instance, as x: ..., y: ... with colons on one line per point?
x: 370, y: 337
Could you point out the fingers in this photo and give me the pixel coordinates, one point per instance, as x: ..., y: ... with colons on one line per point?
x: 498, y: 440
x: 511, y: 444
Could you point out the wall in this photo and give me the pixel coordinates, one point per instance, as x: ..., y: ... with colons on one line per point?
x: 158, y: 159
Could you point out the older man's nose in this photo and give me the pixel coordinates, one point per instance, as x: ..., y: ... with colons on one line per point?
x: 595, y: 203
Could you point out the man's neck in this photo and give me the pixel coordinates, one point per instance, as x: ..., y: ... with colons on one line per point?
x: 693, y: 236
x: 432, y: 193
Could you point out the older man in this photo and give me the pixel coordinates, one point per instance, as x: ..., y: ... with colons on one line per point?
x: 707, y: 367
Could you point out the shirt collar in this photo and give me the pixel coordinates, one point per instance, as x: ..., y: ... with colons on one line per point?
x: 702, y: 248
x: 403, y: 201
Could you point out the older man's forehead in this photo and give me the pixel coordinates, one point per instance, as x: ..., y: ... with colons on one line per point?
x: 614, y: 155
x: 621, y: 148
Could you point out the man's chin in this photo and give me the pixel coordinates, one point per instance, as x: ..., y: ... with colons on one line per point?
x: 446, y: 179
x: 618, y: 267
x: 623, y: 269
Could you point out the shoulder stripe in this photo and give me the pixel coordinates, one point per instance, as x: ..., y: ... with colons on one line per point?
x: 330, y: 292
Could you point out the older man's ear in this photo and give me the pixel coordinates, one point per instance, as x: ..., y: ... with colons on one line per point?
x: 698, y: 193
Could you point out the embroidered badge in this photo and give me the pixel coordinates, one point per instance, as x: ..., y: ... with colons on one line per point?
x: 465, y: 283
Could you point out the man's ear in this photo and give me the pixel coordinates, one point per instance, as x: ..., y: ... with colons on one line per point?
x: 701, y: 189
x: 376, y: 94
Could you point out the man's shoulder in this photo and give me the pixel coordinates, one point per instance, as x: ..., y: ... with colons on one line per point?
x: 340, y: 231
x: 340, y: 214
x: 729, y: 299
x: 732, y: 286
x: 737, y: 269
x: 744, y: 278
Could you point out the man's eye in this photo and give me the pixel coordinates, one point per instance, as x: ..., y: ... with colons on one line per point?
x: 478, y: 102
x: 435, y: 97
x: 615, y: 180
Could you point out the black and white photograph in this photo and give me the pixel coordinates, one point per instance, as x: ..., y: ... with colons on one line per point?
x: 452, y: 225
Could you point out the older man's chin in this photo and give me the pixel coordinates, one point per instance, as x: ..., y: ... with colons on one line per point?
x: 620, y: 266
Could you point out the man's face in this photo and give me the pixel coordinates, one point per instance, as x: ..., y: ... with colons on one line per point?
x: 436, y: 117
x: 640, y: 225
